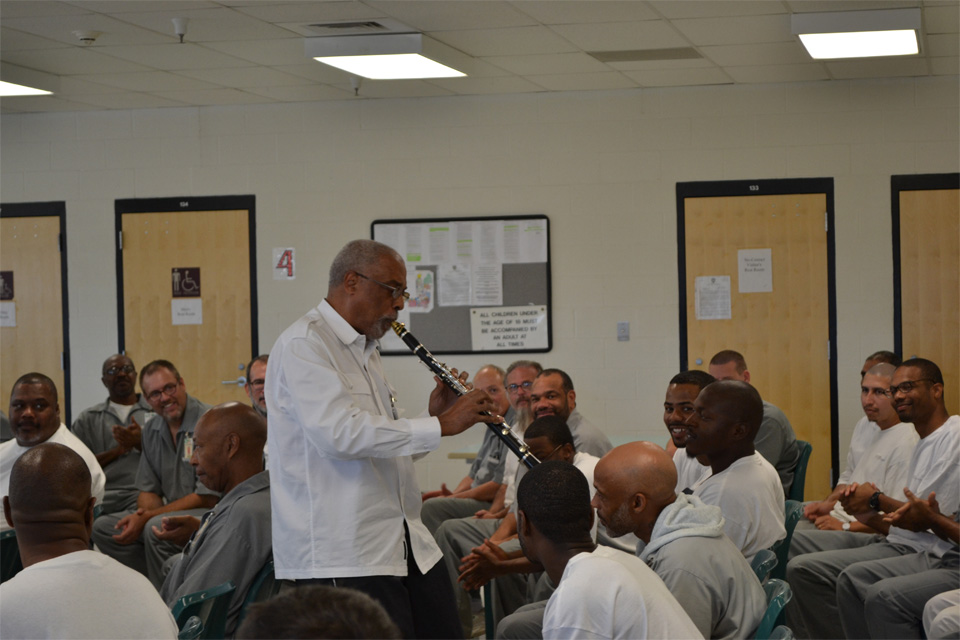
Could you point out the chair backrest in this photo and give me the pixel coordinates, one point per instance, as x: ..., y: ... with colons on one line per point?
x: 210, y: 605
x: 10, y: 564
x: 782, y: 632
x: 264, y: 586
x: 763, y: 563
x: 800, y: 471
x: 192, y: 629
x: 792, y: 512
x: 778, y: 595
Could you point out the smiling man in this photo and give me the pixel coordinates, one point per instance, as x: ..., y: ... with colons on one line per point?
x: 35, y: 418
x: 256, y: 383
x: 552, y: 394
x: 165, y: 480
x: 682, y: 392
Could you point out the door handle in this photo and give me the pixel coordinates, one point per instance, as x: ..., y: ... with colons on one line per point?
x: 239, y: 381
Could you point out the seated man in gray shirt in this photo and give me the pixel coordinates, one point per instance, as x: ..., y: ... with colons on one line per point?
x: 112, y: 431
x: 165, y: 479
x: 233, y: 541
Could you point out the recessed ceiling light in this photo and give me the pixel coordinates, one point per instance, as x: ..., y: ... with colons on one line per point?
x: 8, y: 89
x: 391, y: 56
x: 858, y: 34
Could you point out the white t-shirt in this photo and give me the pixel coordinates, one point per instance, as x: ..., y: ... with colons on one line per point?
x: 689, y: 471
x: 84, y: 594
x: 863, y: 436
x: 612, y: 594
x: 123, y: 410
x: 750, y: 497
x: 885, y: 463
x: 10, y: 451
x: 934, y: 466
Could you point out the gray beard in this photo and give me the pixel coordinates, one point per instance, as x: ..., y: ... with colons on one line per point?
x: 262, y: 412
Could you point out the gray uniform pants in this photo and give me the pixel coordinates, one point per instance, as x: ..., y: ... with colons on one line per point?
x: 527, y: 621
x: 147, y: 554
x: 813, y: 611
x: 885, y: 598
x: 436, y: 511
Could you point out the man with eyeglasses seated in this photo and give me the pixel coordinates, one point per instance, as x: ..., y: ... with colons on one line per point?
x: 112, y: 431
x: 829, y: 587
x: 256, y: 383
x: 166, y: 481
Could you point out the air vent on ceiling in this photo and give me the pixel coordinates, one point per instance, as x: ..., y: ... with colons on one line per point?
x: 644, y: 55
x: 347, y: 28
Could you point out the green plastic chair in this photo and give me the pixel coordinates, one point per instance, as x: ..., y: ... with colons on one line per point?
x: 210, y: 605
x: 778, y: 595
x: 800, y: 471
x: 192, y: 629
x: 763, y: 563
x: 264, y: 587
x: 10, y: 564
x: 793, y: 511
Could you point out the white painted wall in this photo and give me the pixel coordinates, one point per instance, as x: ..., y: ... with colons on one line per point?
x: 602, y: 165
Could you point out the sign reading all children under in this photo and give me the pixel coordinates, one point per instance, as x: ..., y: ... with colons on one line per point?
x: 509, y: 328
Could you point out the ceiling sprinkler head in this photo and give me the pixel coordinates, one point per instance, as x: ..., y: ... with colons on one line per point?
x: 180, y: 27
x: 87, y: 37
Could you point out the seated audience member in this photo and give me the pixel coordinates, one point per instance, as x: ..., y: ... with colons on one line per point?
x: 233, y: 541
x: 741, y: 482
x: 35, y: 418
x: 318, y: 611
x: 112, y: 429
x: 884, y: 462
x: 677, y: 407
x: 166, y: 481
x: 256, y: 381
x: 917, y: 392
x: 6, y: 433
x: 601, y: 592
x: 941, y: 616
x: 552, y: 394
x: 682, y: 540
x: 775, y: 439
x: 66, y: 590
x: 479, y: 487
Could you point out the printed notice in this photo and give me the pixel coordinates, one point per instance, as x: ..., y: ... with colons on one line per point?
x: 453, y: 285
x: 487, y: 284
x: 420, y: 287
x: 509, y: 328
x: 8, y: 314
x: 712, y: 298
x: 186, y: 310
x: 755, y: 268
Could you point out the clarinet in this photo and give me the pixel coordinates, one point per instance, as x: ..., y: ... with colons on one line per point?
x: 502, y: 429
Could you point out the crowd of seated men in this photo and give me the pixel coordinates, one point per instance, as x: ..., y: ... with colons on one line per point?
x: 149, y: 497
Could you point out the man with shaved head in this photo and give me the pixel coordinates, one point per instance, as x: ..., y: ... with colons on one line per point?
x: 35, y: 419
x: 66, y: 590
x: 741, y: 482
x: 233, y: 541
x: 681, y: 539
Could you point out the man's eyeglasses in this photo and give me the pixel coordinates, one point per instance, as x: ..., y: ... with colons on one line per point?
x: 550, y: 455
x: 169, y: 390
x: 127, y: 368
x: 258, y: 383
x: 512, y: 388
x: 908, y: 386
x: 397, y: 292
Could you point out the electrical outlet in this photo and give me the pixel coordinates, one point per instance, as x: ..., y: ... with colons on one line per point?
x: 623, y: 331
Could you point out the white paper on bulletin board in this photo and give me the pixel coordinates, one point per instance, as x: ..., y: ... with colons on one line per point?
x: 755, y: 269
x: 713, y: 298
x: 186, y: 311
x: 509, y: 328
x: 8, y: 314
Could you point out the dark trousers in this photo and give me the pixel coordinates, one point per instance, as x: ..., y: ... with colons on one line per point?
x: 421, y: 605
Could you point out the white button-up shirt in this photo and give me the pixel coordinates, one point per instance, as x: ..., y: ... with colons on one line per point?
x: 342, y: 480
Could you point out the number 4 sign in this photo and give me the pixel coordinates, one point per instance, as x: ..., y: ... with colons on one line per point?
x: 283, y: 264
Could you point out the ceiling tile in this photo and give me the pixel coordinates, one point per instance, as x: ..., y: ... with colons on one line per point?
x: 112, y: 31
x: 45, y: 103
x: 584, y: 81
x: 737, y: 30
x: 316, y: 71
x: 652, y: 34
x: 13, y: 40
x: 679, y: 77
x: 715, y: 8
x: 476, y: 86
x: 310, y: 12
x: 71, y: 61
x: 211, y: 25
x: 946, y: 66
x: 148, y: 81
x: 128, y: 100
x: 71, y: 85
x: 878, y: 68
x: 826, y: 6
x: 644, y: 65
x: 741, y: 55
x: 584, y: 11
x: 398, y: 89
x: 779, y: 73
x: 509, y: 42
x: 428, y: 15
x: 28, y: 8
x: 269, y: 52
x: 143, y: 6
x: 245, y: 77
x: 549, y: 64
x: 942, y: 19
x: 303, y: 93
x: 177, y: 55
x: 214, y: 97
x: 943, y: 45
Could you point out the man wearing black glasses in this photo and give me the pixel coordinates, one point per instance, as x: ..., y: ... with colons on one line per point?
x: 256, y: 383
x: 166, y: 481
x: 112, y: 431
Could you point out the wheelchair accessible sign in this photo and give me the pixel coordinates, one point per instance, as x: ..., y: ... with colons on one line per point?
x: 186, y: 306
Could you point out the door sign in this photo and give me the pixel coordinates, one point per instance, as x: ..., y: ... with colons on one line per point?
x: 6, y: 285
x: 186, y: 282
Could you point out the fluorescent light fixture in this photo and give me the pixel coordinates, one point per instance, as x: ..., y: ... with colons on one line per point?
x: 858, y: 34
x: 10, y: 89
x: 21, y: 81
x: 389, y: 56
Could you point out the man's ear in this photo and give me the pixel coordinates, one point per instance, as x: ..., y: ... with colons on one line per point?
x: 739, y: 431
x: 233, y: 444
x: 572, y: 398
x: 6, y: 511
x: 523, y: 522
x: 350, y: 281
x: 638, y: 503
x: 88, y: 514
x: 746, y: 376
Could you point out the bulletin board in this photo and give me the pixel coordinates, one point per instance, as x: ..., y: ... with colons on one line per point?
x: 477, y: 285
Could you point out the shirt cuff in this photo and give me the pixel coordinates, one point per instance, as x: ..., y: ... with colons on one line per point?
x: 426, y: 434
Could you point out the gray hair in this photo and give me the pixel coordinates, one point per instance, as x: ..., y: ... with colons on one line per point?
x: 357, y: 255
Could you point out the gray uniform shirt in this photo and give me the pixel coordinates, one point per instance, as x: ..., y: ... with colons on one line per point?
x: 587, y: 438
x: 777, y: 442
x: 488, y: 465
x: 164, y: 467
x: 94, y: 427
x: 6, y: 431
x: 233, y: 543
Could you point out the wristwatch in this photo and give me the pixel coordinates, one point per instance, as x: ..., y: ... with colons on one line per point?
x: 845, y: 526
x: 875, y: 501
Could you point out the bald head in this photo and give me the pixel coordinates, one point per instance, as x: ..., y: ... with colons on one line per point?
x: 884, y: 370
x: 634, y: 482
x: 241, y: 419
x: 228, y: 446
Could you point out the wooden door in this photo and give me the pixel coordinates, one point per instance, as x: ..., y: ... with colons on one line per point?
x: 927, y: 274
x: 204, y: 252
x: 784, y: 333
x: 32, y: 247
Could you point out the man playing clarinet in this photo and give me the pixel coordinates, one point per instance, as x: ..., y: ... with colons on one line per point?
x: 344, y: 494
